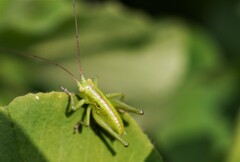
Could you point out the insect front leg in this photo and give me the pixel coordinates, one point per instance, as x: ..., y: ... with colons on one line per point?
x: 79, y: 104
x: 86, y: 121
x: 105, y: 126
x: 122, y: 106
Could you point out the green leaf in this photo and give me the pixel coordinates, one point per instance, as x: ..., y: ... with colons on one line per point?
x: 38, y: 127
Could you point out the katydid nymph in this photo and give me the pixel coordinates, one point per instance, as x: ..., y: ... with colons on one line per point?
x: 104, y: 108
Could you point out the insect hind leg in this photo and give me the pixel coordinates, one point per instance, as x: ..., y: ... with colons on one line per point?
x: 117, y: 94
x: 122, y: 106
x: 105, y: 126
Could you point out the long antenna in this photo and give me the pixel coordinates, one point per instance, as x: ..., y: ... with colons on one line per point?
x: 42, y: 59
x: 56, y: 64
x: 77, y: 40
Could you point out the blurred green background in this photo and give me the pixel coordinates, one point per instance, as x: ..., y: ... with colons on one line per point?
x: 177, y: 60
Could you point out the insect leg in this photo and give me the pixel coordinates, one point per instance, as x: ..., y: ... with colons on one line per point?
x: 86, y: 122
x: 105, y: 126
x: 122, y: 106
x: 118, y: 94
x: 88, y: 114
x: 79, y: 103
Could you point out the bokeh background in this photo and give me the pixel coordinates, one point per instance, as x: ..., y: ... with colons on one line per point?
x: 177, y: 60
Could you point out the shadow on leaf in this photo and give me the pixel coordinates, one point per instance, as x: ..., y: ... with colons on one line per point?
x: 14, y: 146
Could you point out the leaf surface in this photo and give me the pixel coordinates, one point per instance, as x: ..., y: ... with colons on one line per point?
x: 39, y: 127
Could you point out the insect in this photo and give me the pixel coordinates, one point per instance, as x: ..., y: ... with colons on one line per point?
x: 104, y: 108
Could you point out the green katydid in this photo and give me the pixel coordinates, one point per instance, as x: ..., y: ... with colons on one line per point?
x: 103, y: 107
